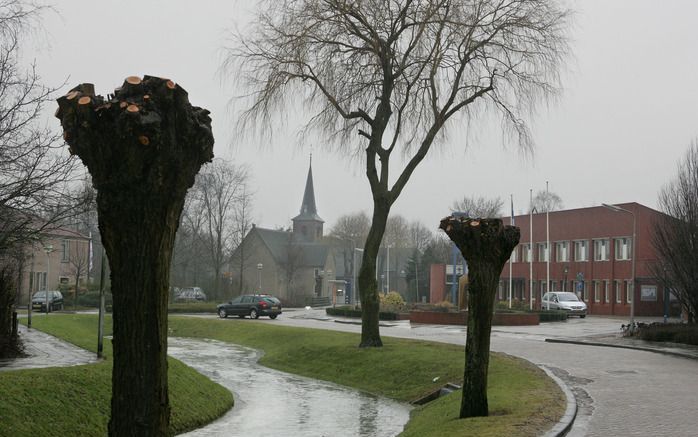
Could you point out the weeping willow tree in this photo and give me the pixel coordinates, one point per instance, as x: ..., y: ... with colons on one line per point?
x: 384, y: 80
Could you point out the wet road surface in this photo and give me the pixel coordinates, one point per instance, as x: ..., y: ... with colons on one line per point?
x: 273, y: 403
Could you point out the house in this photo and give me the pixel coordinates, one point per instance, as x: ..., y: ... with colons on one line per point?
x: 62, y: 257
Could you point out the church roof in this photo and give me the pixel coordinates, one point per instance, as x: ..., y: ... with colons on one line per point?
x: 308, y: 207
x: 281, y: 244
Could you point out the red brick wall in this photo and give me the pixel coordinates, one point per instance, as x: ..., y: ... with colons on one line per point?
x: 437, y: 283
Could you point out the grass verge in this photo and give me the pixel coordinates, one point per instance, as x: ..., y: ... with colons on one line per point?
x: 67, y: 401
x: 523, y: 400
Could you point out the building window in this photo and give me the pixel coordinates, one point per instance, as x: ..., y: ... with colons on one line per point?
x: 601, y: 250
x: 628, y: 291
x: 562, y: 251
x: 623, y: 248
x: 581, y: 250
x: 40, y: 281
x: 526, y: 253
x: 619, y: 292
x: 597, y: 291
x: 542, y: 289
x: 65, y: 249
x: 585, y: 292
x: 513, y: 258
x: 543, y: 252
x: 606, y: 292
x: 648, y: 293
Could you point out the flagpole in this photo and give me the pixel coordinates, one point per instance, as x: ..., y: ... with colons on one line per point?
x: 530, y: 257
x: 547, y: 231
x: 511, y: 222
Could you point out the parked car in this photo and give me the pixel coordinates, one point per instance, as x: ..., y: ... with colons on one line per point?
x: 253, y: 305
x: 55, y: 300
x: 190, y: 294
x: 566, y: 301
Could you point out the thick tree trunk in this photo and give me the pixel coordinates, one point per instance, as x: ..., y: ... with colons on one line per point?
x: 486, y: 245
x: 9, y: 341
x: 143, y: 148
x: 370, y: 302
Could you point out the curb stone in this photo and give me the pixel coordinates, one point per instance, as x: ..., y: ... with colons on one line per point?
x: 567, y: 419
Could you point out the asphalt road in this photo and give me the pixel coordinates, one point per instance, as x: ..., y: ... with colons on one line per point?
x: 620, y: 392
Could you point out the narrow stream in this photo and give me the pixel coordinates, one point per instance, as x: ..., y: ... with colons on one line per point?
x: 273, y: 403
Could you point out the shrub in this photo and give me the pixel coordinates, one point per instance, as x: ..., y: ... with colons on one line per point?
x: 91, y: 299
x: 669, y: 332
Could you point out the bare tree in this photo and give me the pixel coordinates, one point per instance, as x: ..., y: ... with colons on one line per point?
x: 397, y: 74
x: 479, y: 206
x: 242, y: 224
x: 546, y: 201
x: 419, y: 235
x: 352, y: 227
x: 79, y: 261
x: 675, y: 237
x: 34, y: 170
x: 217, y: 190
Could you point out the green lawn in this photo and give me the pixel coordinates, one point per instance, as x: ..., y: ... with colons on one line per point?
x: 523, y: 400
x: 74, y: 401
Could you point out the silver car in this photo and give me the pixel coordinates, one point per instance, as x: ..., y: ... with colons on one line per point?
x: 564, y: 300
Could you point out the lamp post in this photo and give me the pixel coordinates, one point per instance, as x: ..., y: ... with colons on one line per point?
x: 632, y: 274
x: 259, y: 278
x: 48, y: 249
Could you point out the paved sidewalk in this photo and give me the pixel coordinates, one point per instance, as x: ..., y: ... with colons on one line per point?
x: 45, y: 350
x: 617, y: 341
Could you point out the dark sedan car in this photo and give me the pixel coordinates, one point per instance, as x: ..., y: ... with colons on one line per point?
x: 253, y: 305
x: 55, y: 300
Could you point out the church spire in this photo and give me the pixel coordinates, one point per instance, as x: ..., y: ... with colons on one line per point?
x: 308, y: 222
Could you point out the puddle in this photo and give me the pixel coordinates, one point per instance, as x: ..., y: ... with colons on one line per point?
x: 273, y: 403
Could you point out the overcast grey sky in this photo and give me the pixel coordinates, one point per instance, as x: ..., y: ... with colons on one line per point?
x: 627, y: 114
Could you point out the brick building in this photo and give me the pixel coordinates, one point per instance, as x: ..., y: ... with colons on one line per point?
x: 591, y: 253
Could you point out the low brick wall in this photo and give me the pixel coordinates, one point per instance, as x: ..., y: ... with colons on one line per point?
x: 515, y: 319
x: 461, y: 318
x: 439, y: 318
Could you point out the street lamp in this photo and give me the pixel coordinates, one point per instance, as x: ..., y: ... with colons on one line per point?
x: 259, y: 278
x: 632, y: 274
x: 48, y: 249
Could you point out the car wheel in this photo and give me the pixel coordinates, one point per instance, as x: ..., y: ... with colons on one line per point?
x: 273, y: 316
x: 253, y: 314
x: 222, y: 314
x: 50, y: 307
x: 242, y: 316
x: 582, y: 316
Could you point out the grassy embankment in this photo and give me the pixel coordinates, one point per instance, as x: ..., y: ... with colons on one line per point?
x: 72, y: 401
x: 523, y: 402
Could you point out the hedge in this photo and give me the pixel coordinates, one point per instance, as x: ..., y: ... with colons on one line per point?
x: 351, y: 312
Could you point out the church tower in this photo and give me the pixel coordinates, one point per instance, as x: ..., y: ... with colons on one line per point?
x: 307, y: 226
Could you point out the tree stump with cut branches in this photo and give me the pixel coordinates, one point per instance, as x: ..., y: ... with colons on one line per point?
x: 143, y: 146
x: 486, y: 244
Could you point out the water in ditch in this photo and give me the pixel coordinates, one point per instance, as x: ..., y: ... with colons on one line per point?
x: 273, y: 403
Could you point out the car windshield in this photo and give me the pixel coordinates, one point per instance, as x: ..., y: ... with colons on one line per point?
x: 567, y: 297
x: 272, y: 300
x: 39, y: 294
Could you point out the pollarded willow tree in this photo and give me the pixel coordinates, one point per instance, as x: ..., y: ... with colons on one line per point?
x: 388, y: 78
x: 143, y: 146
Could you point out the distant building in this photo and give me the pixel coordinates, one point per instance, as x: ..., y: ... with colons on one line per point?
x: 591, y: 251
